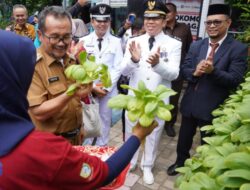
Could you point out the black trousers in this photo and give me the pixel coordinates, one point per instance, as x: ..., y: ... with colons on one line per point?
x: 174, y: 100
x: 186, y: 134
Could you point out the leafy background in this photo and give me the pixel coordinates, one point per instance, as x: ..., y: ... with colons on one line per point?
x: 32, y: 6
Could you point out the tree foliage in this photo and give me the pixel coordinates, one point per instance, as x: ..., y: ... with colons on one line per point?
x: 32, y: 6
x: 244, y: 18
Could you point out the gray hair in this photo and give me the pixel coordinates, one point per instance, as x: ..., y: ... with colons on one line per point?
x: 55, y: 11
x: 16, y: 6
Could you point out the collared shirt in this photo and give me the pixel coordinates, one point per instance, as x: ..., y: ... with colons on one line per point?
x: 49, y: 82
x: 27, y: 30
x: 219, y: 42
x: 182, y: 32
x: 111, y: 54
x: 162, y: 73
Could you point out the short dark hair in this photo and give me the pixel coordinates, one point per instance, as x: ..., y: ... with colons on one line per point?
x: 55, y: 11
x: 173, y: 5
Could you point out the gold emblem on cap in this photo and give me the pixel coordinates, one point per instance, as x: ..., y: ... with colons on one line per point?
x: 102, y: 10
x: 151, y: 5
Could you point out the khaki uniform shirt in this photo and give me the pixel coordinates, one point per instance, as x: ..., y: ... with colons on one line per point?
x: 28, y: 30
x: 49, y: 82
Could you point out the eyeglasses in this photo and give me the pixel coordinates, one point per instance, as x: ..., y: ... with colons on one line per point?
x: 214, y: 22
x: 56, y: 39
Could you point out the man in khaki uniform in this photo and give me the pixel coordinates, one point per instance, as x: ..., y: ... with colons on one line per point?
x: 20, y: 26
x: 51, y: 109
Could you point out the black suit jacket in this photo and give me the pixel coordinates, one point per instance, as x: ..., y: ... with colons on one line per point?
x: 206, y: 93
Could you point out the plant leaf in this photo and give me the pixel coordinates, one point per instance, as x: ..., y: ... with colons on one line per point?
x: 90, y: 66
x: 166, y: 94
x: 163, y: 113
x: 150, y: 107
x: 82, y: 57
x: 134, y: 115
x: 146, y: 120
x: 245, y: 186
x: 119, y: 102
x: 71, y: 90
x: 241, y: 134
x: 142, y: 86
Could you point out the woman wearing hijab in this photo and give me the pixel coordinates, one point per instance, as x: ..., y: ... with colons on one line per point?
x: 38, y: 160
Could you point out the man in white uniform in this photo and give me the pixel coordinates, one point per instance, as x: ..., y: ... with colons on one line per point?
x: 107, y: 49
x: 153, y: 58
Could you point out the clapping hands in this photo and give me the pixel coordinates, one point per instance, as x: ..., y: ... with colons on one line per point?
x: 205, y: 66
x: 135, y: 51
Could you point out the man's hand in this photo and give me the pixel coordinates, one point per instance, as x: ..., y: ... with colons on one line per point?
x: 99, y: 91
x: 154, y: 58
x: 209, y: 67
x: 83, y: 90
x: 127, y: 24
x: 142, y: 132
x: 83, y: 2
x: 76, y: 48
x: 135, y: 51
x: 200, y: 69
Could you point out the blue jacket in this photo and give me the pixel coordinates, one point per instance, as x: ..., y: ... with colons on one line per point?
x: 230, y: 64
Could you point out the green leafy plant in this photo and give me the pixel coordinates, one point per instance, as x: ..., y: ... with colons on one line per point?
x: 224, y: 162
x: 86, y: 72
x: 145, y: 105
x: 243, y: 19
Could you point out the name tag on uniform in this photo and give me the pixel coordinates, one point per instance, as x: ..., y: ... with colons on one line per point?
x: 90, y: 48
x: 53, y: 79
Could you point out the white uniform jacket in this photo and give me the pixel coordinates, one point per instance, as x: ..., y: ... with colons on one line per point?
x: 162, y: 73
x: 111, y: 54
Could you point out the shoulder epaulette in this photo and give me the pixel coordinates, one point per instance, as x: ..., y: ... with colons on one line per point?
x: 172, y: 36
x: 114, y: 35
x: 135, y: 36
x: 177, y: 38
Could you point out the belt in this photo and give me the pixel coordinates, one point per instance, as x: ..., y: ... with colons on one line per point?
x: 70, y: 134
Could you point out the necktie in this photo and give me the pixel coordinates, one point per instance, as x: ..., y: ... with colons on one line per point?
x: 210, y: 57
x: 99, y: 43
x: 151, y: 42
x: 212, y: 52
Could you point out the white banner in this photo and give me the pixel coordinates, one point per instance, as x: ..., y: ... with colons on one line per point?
x: 188, y: 11
x: 112, y: 3
x: 118, y: 3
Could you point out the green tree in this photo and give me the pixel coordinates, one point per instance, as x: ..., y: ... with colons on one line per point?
x: 32, y: 6
x: 244, y: 19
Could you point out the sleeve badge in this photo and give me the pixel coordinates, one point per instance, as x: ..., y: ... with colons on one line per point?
x: 86, y: 171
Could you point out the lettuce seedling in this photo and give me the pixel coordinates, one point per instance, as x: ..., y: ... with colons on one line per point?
x: 86, y: 72
x: 145, y: 105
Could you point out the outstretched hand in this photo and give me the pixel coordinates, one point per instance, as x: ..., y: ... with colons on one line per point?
x: 142, y: 132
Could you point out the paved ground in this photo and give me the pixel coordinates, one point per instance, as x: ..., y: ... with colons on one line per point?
x: 166, y: 156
